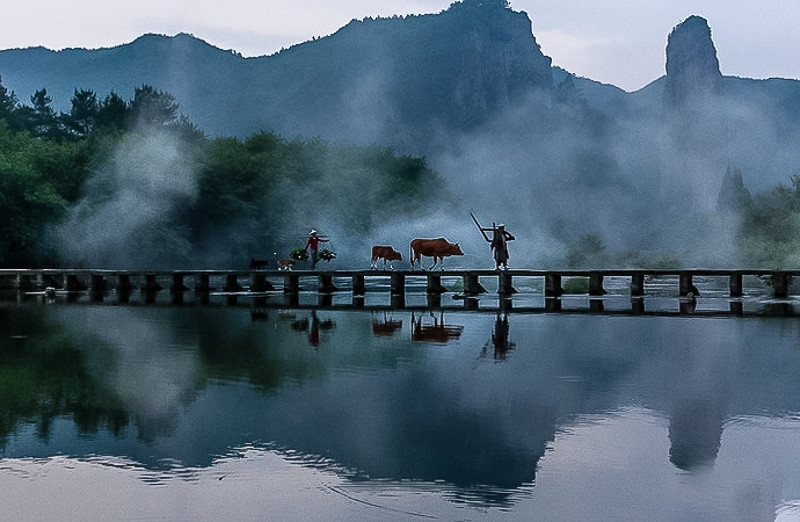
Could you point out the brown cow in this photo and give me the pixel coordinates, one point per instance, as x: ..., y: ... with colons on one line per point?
x: 438, y: 249
x: 387, y: 253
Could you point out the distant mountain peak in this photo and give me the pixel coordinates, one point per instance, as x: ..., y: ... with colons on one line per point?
x: 692, y: 64
x: 481, y: 4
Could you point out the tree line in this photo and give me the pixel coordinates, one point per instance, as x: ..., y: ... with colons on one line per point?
x: 250, y: 196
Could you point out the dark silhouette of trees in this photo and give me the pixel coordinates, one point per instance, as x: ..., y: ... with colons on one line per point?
x: 8, y: 101
x: 112, y: 113
x: 83, y: 115
x: 44, y: 120
x: 152, y: 108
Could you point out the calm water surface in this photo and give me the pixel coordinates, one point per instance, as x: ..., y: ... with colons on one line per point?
x: 170, y: 412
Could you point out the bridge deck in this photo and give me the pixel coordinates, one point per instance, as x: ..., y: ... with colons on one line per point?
x: 262, y: 280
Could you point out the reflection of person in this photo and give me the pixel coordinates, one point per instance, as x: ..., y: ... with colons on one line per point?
x: 313, y: 334
x: 500, y: 337
x: 499, y: 245
x: 313, y: 244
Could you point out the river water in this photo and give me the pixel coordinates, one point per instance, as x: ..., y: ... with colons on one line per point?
x: 234, y: 408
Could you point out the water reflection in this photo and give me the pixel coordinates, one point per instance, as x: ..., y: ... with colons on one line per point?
x: 388, y: 326
x: 499, y: 341
x: 174, y: 387
x: 433, y: 331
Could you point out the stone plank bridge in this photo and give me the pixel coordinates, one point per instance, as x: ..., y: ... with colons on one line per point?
x: 354, y: 281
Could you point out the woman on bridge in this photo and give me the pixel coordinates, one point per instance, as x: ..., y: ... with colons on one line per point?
x: 313, y: 244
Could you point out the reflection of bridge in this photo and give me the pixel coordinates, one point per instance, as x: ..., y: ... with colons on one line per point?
x: 355, y: 280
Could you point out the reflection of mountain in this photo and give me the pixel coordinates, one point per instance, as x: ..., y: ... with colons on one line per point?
x: 183, y: 385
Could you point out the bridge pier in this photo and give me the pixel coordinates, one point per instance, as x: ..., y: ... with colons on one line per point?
x: 685, y: 285
x: 735, y: 285
x: 552, y: 304
x: 124, y: 296
x: 24, y: 282
x: 435, y: 284
x: 552, y: 285
x: 326, y: 285
x: 177, y: 283
x: 72, y: 283
x: 37, y: 280
x: 472, y: 285
x: 359, y: 286
x: 49, y: 280
x: 150, y: 284
x: 97, y: 283
x: 398, y: 284
x: 780, y: 285
x: 504, y: 286
x: 124, y: 283
x: 470, y: 304
x: 259, y: 283
x: 637, y: 284
x: 291, y: 299
x: 291, y: 284
x: 596, y: 284
x: 202, y: 283
x: 232, y: 283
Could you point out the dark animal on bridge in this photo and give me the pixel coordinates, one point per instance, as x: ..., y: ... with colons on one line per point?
x: 438, y: 249
x: 438, y: 332
x: 256, y: 264
x: 386, y: 253
x: 284, y: 264
x: 385, y: 328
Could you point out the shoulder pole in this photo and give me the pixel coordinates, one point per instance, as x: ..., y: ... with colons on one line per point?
x: 483, y: 232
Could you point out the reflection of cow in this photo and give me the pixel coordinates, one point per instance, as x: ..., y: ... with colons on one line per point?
x: 387, y: 253
x: 384, y: 328
x: 438, y: 249
x: 438, y: 332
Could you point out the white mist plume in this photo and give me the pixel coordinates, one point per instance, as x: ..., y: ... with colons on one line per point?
x: 123, y: 220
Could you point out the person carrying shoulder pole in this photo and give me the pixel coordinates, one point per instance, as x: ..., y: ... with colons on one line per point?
x: 498, y: 242
x: 313, y: 244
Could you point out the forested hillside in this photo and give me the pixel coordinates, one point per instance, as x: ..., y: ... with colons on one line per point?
x: 556, y: 157
x: 124, y: 184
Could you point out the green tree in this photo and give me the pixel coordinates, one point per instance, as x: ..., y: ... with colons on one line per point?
x: 28, y: 200
x: 152, y: 108
x: 83, y: 114
x: 113, y: 113
x: 43, y: 118
x: 8, y: 102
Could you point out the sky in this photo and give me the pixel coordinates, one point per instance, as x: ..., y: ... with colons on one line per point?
x: 621, y: 42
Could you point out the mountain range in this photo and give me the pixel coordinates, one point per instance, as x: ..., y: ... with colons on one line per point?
x: 470, y: 89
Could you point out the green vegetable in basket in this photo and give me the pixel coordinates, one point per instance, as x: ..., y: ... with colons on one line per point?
x: 326, y: 255
x: 298, y: 254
